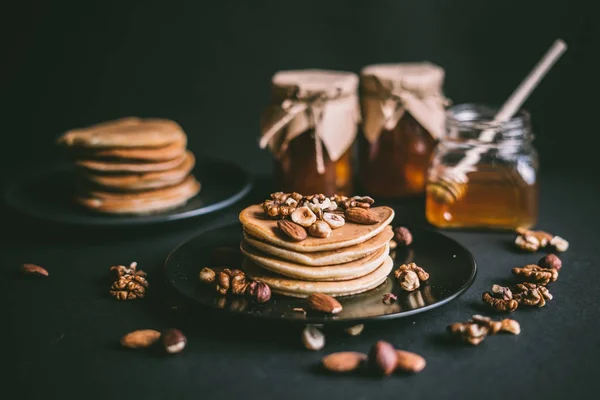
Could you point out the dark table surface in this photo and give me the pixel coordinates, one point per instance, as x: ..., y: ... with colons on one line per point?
x: 61, y: 334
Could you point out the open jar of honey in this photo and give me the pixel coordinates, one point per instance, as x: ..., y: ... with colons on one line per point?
x: 483, y: 174
x: 402, y: 109
x: 310, y: 127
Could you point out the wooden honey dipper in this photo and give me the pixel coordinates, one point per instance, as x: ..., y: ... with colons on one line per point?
x: 451, y: 185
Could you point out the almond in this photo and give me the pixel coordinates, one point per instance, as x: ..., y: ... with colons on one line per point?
x: 383, y: 358
x: 292, y: 230
x: 344, y: 361
x: 361, y: 216
x: 410, y: 362
x: 324, y: 303
x: 34, y: 270
x: 140, y: 339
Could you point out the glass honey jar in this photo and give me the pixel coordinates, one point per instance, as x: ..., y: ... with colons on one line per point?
x: 483, y: 174
x: 402, y: 109
x: 310, y: 127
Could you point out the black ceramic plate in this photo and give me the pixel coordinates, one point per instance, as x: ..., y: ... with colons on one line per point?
x: 45, y: 194
x: 452, y: 269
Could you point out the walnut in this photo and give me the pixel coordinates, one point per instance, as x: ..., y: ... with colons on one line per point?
x: 238, y: 283
x: 129, y: 287
x: 408, y: 280
x: 318, y: 204
x: 223, y: 282
x: 502, y: 292
x: 527, y: 242
x: 121, y: 270
x: 531, y: 294
x: 421, y: 273
x: 531, y: 240
x: 356, y: 201
x: 275, y: 209
x: 499, y: 303
x: 478, y: 327
x: 542, y: 236
x: 536, y: 274
x: 287, y: 198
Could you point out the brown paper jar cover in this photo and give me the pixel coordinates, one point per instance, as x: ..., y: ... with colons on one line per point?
x: 309, y: 127
x: 403, y: 115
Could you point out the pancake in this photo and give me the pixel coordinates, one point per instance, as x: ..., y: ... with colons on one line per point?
x: 165, y: 153
x: 125, y: 132
x: 142, y: 181
x: 340, y: 272
x: 298, y: 288
x: 147, y: 202
x: 258, y: 225
x: 328, y: 257
x: 130, y: 166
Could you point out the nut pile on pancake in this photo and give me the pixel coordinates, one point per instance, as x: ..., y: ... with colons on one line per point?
x: 131, y: 166
x: 299, y: 245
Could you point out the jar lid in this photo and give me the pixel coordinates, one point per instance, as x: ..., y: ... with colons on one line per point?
x: 314, y: 81
x: 416, y: 77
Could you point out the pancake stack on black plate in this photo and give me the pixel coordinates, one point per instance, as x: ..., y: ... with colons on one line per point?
x: 131, y: 166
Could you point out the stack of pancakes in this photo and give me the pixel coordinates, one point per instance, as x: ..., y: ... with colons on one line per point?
x: 353, y: 259
x: 131, y: 166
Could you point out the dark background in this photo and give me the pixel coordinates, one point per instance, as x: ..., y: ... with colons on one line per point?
x: 208, y: 65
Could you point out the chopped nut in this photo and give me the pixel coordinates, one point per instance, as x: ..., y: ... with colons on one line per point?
x: 500, y: 304
x: 527, y: 242
x: 355, y: 330
x: 559, y: 243
x: 536, y: 274
x: 511, y: 326
x: 129, y: 287
x: 409, y: 280
x: 344, y: 361
x: 403, y: 236
x: 320, y: 229
x: 312, y: 338
x: 421, y: 273
x: 501, y: 292
x: 207, y: 275
x: 550, y: 261
x: 33, y: 270
x: 324, y: 303
x: 223, y: 282
x: 299, y: 310
x: 334, y: 220
x: 389, y: 298
x: 383, y: 358
x: 260, y: 292
x: 303, y: 216
x: 531, y: 294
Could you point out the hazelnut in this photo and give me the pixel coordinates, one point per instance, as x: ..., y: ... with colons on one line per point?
x: 383, y: 358
x: 258, y: 291
x: 402, y: 236
x: 173, y: 341
x: 550, y: 261
x: 303, y: 216
x: 207, y: 275
x: 320, y: 229
x: 312, y: 338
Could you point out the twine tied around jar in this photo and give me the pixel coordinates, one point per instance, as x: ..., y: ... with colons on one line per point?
x: 331, y: 114
x: 388, y: 91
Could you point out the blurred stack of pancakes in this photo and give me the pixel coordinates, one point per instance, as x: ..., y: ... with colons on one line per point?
x: 131, y: 166
x: 353, y: 259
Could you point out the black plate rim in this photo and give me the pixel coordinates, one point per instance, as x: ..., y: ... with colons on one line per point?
x: 114, y: 222
x: 324, y: 319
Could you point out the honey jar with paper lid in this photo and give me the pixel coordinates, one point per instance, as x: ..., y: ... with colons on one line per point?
x: 310, y: 127
x: 403, y: 113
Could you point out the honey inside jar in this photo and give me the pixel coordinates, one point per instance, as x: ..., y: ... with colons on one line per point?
x: 296, y: 171
x: 483, y: 183
x: 493, y: 198
x: 395, y: 164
